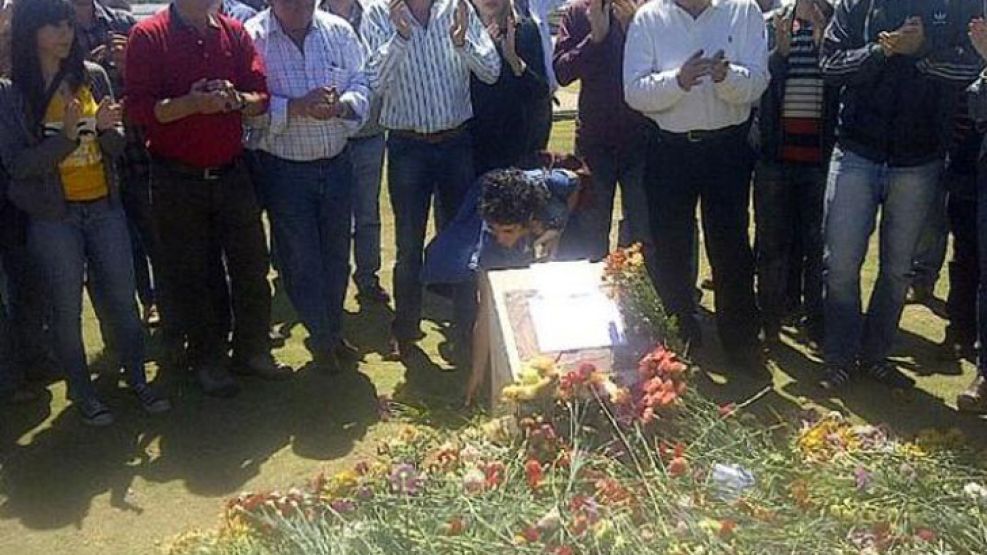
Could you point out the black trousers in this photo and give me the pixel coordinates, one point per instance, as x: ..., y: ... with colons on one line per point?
x: 788, y: 207
x: 201, y: 224
x: 716, y: 173
x: 964, y: 270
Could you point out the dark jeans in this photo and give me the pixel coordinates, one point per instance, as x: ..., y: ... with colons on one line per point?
x: 91, y: 239
x: 415, y: 170
x: 310, y: 206
x: 136, y: 197
x: 611, y: 166
x: 788, y: 207
x: 715, y: 172
x: 367, y: 157
x: 202, y: 223
x: 982, y: 264
x: 964, y: 269
x: 22, y: 316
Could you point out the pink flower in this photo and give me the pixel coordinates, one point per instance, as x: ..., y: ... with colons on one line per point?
x: 406, y: 480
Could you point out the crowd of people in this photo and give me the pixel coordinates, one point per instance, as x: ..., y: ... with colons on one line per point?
x: 137, y: 161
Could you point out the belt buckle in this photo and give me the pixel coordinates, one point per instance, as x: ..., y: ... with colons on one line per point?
x: 211, y: 174
x: 693, y: 137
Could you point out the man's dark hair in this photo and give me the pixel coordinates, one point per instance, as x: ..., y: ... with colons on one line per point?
x: 511, y: 197
x: 29, y: 17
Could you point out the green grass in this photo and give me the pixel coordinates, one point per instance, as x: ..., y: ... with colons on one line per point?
x: 67, y: 488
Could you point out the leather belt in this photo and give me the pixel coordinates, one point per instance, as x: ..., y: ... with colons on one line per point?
x: 214, y: 173
x: 702, y: 136
x: 430, y: 138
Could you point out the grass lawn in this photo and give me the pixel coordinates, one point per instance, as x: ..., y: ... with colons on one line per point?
x: 127, y: 489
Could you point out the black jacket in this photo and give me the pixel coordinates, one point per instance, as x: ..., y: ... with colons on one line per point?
x: 899, y: 109
x: 769, y: 131
x: 504, y: 127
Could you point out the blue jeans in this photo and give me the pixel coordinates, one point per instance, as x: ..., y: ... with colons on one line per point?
x: 367, y: 156
x: 855, y: 190
x: 91, y: 239
x: 982, y: 255
x: 309, y: 204
x: 416, y: 169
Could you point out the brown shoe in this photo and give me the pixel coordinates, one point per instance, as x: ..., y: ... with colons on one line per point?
x: 974, y: 399
x: 262, y: 366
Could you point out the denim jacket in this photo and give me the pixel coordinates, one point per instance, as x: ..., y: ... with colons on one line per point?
x: 32, y: 161
x: 767, y: 134
x: 467, y: 246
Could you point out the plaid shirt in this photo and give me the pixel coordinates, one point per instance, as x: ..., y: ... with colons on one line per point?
x: 333, y: 57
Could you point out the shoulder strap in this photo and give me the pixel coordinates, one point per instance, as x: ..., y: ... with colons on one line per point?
x: 37, y: 118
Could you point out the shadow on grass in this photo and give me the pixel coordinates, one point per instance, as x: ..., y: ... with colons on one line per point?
x: 213, y: 446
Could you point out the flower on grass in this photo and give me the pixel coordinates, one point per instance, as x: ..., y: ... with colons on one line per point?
x: 406, y: 480
x: 926, y: 535
x: 564, y: 550
x: 494, y: 474
x: 550, y: 521
x: 529, y: 535
x: 862, y: 478
x: 533, y: 473
x: 455, y: 527
x: 727, y: 528
x: 976, y: 492
x: 474, y: 480
x: 342, y: 506
x: 727, y: 410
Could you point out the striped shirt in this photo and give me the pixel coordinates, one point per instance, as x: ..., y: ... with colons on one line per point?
x: 333, y: 56
x: 803, y: 105
x: 425, y: 81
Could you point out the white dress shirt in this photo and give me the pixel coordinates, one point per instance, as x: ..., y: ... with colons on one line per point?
x: 425, y: 80
x: 660, y: 40
x: 334, y: 56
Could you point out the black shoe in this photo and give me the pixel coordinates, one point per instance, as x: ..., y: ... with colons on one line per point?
x: 835, y: 378
x: 95, y: 413
x: 749, y: 361
x: 150, y: 401
x: 347, y: 351
x: 888, y: 374
x: 216, y: 381
x: 974, y: 398
x: 327, y: 363
x: 262, y: 366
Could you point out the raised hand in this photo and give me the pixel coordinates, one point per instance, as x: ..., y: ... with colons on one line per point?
x: 71, y: 117
x: 399, y: 18
x: 819, y: 23
x: 905, y: 41
x: 599, y: 20
x: 978, y: 36
x: 509, y: 46
x: 783, y: 34
x: 693, y: 70
x: 624, y: 11
x: 118, y: 50
x: 109, y: 114
x: 460, y: 23
x: 719, y: 66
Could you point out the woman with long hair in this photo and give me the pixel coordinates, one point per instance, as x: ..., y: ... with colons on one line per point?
x: 60, y: 130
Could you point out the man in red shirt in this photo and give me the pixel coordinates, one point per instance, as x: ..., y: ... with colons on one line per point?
x: 192, y: 76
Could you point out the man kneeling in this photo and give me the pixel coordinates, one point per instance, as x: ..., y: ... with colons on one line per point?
x: 510, y: 219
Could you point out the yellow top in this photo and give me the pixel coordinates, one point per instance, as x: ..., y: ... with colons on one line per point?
x: 83, y: 176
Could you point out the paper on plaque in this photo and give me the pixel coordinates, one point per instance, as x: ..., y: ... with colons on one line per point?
x: 584, y: 321
x: 565, y: 279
